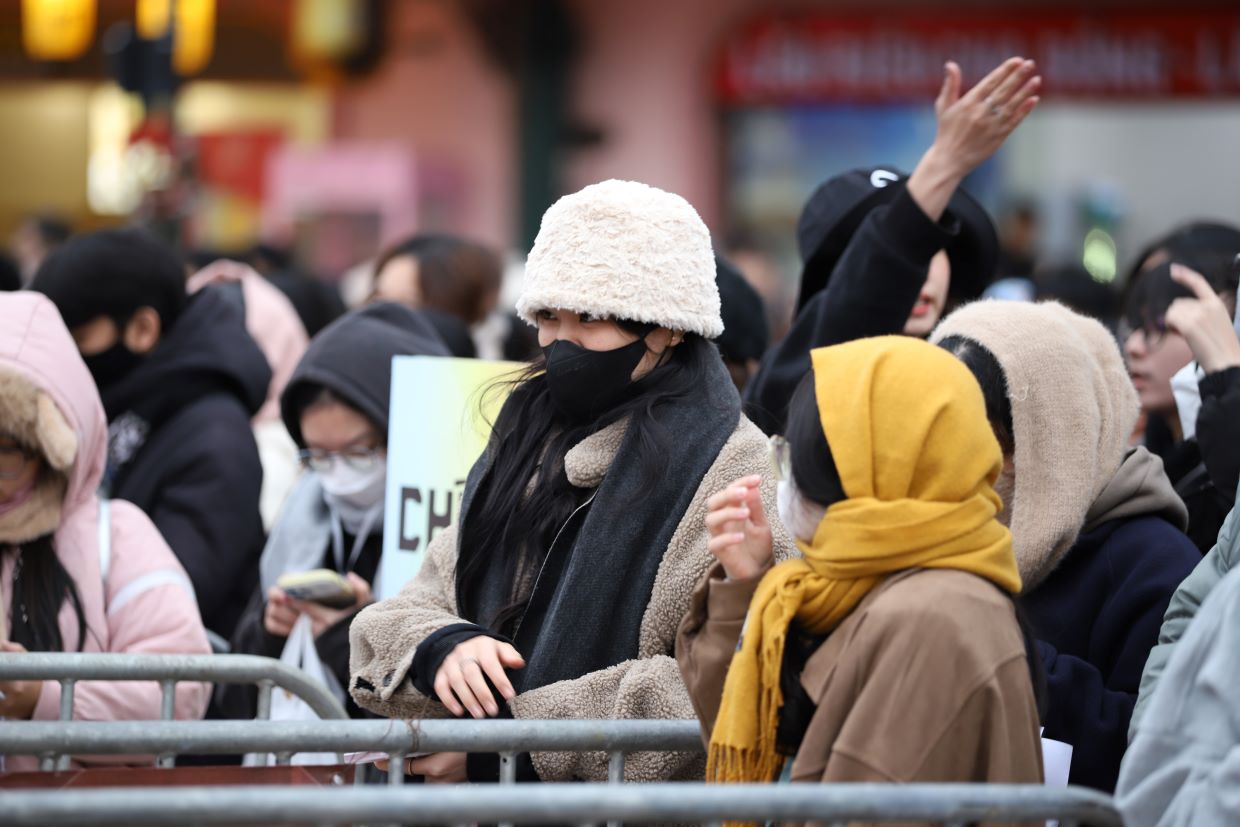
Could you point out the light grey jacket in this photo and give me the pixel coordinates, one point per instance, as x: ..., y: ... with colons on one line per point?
x: 1183, y: 767
x: 1184, y: 605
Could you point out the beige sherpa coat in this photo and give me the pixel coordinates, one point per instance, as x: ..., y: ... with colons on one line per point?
x: 384, y: 636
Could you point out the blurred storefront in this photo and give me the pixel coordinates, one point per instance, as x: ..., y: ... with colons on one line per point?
x: 470, y: 116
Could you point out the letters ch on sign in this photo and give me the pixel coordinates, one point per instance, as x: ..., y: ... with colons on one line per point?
x: 424, y: 512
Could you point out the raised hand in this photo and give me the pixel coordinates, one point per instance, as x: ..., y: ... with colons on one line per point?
x: 1204, y: 322
x: 740, y: 536
x: 971, y: 127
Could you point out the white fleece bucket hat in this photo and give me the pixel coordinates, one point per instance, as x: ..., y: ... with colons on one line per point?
x: 624, y: 250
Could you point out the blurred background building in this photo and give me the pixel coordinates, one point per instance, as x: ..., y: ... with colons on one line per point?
x: 330, y: 128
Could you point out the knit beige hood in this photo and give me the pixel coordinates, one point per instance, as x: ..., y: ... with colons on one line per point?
x: 1073, y: 409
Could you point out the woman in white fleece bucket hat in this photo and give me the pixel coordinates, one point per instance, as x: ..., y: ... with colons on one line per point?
x: 582, y: 531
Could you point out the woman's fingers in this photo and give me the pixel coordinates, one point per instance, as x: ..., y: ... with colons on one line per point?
x: 471, y: 671
x: 734, y: 494
x: 757, y: 511
x: 443, y: 689
x: 721, y: 543
x: 1194, y: 281
x: 509, y: 656
x: 1019, y: 107
x: 986, y: 86
x: 1006, y: 90
x: 719, y: 520
x: 493, y: 669
x: 949, y: 93
x: 461, y: 688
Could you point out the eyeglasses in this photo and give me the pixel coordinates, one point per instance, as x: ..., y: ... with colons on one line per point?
x: 359, y: 459
x: 13, y: 460
x: 780, y: 454
x: 1154, y: 331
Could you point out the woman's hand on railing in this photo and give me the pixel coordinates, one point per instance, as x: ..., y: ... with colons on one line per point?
x: 461, y: 682
x: 18, y: 698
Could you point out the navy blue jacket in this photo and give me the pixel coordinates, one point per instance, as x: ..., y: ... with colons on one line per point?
x: 1097, y: 617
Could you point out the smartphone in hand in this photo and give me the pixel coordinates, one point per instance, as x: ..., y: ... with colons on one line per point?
x: 322, y: 586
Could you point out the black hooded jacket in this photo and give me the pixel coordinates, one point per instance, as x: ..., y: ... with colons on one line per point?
x: 352, y: 357
x: 871, y: 292
x: 181, y: 448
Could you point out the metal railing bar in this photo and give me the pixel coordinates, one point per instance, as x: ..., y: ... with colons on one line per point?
x: 558, y: 803
x: 615, y: 774
x: 68, y: 688
x: 229, y: 737
x: 94, y: 666
x: 396, y: 769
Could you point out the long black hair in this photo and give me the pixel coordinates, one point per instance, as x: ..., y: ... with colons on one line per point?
x: 813, y: 465
x: 42, y: 588
x: 993, y: 381
x: 526, y: 497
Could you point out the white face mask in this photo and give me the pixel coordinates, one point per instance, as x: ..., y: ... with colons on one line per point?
x: 799, y: 515
x: 1187, y: 395
x: 352, y: 494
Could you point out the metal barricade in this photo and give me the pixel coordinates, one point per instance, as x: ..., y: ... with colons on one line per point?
x: 396, y: 738
x: 950, y: 804
x: 168, y: 671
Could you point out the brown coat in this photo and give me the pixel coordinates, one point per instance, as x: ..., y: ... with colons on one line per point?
x: 969, y: 715
x: 384, y: 636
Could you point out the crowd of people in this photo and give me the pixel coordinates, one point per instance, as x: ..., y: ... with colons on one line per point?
x: 907, y: 541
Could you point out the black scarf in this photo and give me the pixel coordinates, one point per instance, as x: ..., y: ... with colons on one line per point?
x: 585, y: 611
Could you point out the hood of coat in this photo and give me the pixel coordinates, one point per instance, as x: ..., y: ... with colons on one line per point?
x: 1073, y: 410
x: 207, y: 350
x: 50, y: 401
x: 270, y: 318
x: 1140, y: 488
x: 352, y: 357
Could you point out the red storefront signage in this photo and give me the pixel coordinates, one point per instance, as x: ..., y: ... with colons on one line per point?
x: 236, y: 161
x: 806, y: 59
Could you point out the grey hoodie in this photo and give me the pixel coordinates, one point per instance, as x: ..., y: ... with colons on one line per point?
x: 1183, y: 767
x: 1140, y: 488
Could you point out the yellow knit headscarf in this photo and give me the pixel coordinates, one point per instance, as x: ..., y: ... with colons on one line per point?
x: 907, y: 427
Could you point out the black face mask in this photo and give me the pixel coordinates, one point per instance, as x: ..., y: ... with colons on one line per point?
x: 587, y: 383
x: 112, y: 365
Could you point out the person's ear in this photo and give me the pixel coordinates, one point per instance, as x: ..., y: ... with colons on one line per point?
x: 677, y: 337
x: 143, y: 331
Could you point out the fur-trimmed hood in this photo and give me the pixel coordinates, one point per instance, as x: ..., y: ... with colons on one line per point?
x: 136, y: 597
x: 48, y: 401
x: 1073, y: 409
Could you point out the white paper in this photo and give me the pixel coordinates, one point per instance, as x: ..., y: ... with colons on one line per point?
x: 1056, y: 764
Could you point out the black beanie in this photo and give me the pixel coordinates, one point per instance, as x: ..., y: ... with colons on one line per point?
x: 113, y: 273
x: 352, y: 358
x: 745, y: 331
x: 837, y: 208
